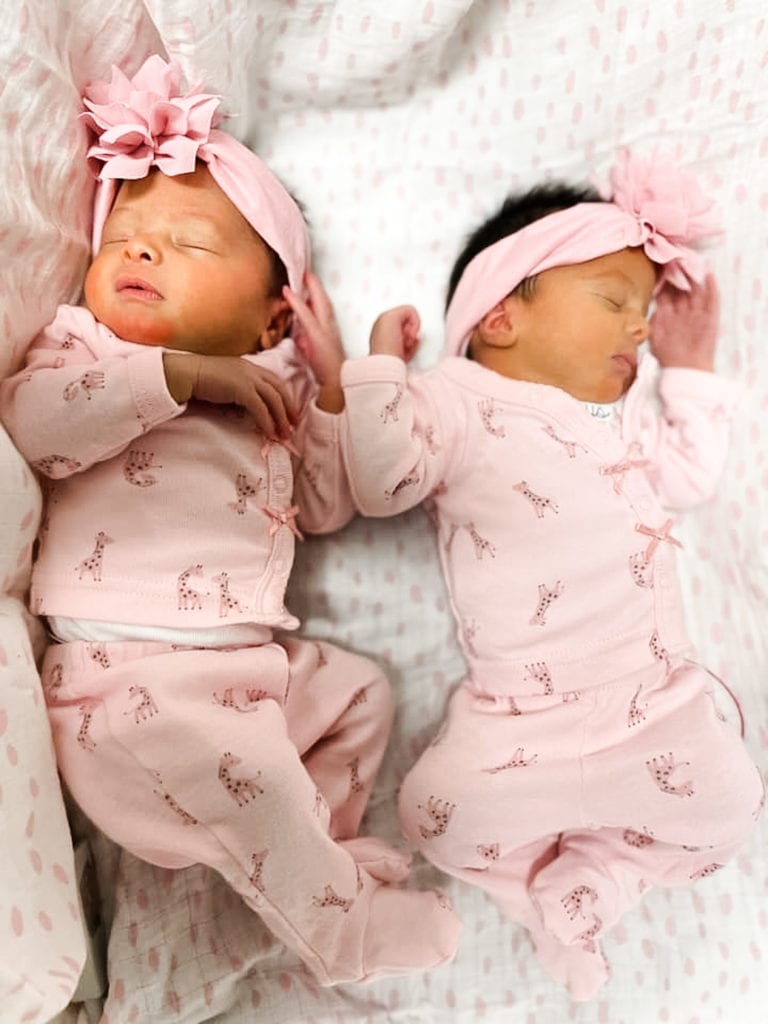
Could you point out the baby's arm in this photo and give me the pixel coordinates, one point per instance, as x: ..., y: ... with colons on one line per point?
x: 688, y: 443
x: 321, y: 488
x: 71, y: 406
x: 397, y: 447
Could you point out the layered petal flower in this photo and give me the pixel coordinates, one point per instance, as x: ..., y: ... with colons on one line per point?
x: 670, y: 207
x: 146, y: 121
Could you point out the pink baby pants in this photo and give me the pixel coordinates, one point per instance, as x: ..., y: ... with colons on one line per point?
x: 257, y: 761
x: 567, y: 807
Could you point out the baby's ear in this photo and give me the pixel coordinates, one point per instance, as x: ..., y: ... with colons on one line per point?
x: 497, y: 328
x: 279, y: 322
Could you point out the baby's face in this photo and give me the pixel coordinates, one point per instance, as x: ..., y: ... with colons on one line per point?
x: 581, y: 328
x: 179, y: 266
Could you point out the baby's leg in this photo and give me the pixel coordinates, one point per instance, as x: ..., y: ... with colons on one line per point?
x: 184, y: 756
x: 473, y: 811
x: 339, y: 713
x: 694, y: 796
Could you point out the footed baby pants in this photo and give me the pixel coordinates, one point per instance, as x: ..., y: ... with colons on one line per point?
x: 257, y: 761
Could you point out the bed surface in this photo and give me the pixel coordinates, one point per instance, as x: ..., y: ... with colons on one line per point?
x: 399, y: 126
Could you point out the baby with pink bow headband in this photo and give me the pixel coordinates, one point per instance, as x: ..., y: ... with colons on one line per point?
x: 185, y: 438
x: 583, y: 759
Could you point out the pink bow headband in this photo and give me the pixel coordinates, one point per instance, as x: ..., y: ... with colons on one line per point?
x: 653, y: 205
x: 146, y: 121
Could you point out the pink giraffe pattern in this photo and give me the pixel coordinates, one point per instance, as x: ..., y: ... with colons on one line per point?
x: 637, y: 839
x: 636, y: 714
x: 227, y: 602
x: 98, y: 654
x: 353, y: 767
x: 488, y: 851
x: 93, y: 564
x: 469, y: 633
x: 332, y: 899
x: 250, y: 702
x: 482, y: 546
x: 256, y: 877
x: 83, y: 735
x: 358, y: 697
x: 244, y: 490
x: 662, y: 768
x: 389, y: 412
x: 56, y: 466
x: 242, y: 790
x: 546, y: 596
x: 518, y: 760
x: 408, y: 481
x: 171, y: 802
x: 144, y: 707
x: 641, y: 570
x: 573, y: 902
x: 658, y: 650
x: 92, y: 380
x: 706, y: 871
x: 571, y: 447
x: 189, y: 599
x: 137, y: 466
x: 439, y: 812
x: 488, y: 412
x: 539, y: 503
x: 53, y: 681
x: 539, y: 672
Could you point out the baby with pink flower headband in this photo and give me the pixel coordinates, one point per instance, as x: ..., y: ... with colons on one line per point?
x: 188, y: 441
x: 582, y: 760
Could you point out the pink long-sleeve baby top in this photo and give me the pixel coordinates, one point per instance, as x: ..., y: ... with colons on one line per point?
x: 158, y: 513
x: 555, y: 528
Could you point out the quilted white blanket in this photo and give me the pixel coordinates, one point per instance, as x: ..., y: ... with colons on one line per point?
x: 398, y: 125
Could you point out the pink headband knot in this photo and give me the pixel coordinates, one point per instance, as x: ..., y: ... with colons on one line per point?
x: 147, y: 121
x: 650, y: 203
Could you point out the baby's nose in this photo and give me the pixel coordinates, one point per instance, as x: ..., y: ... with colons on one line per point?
x: 142, y: 249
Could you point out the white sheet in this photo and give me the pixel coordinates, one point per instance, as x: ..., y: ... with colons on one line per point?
x: 399, y: 125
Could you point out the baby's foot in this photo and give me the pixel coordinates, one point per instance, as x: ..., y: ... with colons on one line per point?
x: 408, y: 930
x: 382, y: 861
x: 581, y: 969
x: 579, y: 908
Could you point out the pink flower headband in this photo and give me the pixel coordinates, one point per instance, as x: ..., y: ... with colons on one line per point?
x: 146, y: 121
x: 652, y: 204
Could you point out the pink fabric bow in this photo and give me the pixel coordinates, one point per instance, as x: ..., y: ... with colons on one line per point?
x: 146, y: 121
x: 652, y: 204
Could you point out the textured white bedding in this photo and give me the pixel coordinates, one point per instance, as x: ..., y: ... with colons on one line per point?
x: 398, y: 126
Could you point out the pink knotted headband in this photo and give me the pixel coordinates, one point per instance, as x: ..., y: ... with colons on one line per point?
x: 146, y: 121
x: 652, y: 204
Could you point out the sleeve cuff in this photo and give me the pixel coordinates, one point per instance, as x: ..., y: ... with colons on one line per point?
x: 379, y: 368
x: 146, y: 375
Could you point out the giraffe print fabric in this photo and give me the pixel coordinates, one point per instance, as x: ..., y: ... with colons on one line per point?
x: 552, y: 778
x: 579, y: 723
x: 180, y: 771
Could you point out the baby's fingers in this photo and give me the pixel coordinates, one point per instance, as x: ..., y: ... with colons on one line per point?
x: 267, y: 399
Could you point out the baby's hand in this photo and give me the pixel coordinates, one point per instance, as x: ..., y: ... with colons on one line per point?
x: 318, y: 338
x: 685, y: 325
x: 229, y: 380
x: 396, y: 333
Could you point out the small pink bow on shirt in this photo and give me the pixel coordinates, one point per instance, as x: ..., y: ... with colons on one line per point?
x: 283, y: 517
